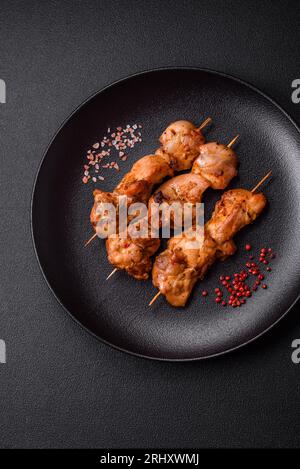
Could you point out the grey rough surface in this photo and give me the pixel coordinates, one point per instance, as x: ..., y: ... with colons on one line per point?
x: 60, y: 387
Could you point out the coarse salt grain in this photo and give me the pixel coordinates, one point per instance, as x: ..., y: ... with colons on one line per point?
x: 117, y: 140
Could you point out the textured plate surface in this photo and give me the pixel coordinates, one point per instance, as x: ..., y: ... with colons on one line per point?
x: 116, y: 311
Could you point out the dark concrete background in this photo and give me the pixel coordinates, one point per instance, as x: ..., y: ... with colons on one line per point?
x: 60, y: 387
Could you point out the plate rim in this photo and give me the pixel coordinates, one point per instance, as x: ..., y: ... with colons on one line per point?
x: 60, y: 128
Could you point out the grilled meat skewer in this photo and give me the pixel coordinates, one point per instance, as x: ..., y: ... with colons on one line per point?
x: 178, y: 268
x: 180, y: 145
x: 215, y: 166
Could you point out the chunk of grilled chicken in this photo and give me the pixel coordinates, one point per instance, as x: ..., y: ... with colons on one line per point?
x: 181, y: 142
x: 236, y: 209
x: 215, y: 166
x: 217, y: 171
x: 132, y: 254
x: 177, y: 269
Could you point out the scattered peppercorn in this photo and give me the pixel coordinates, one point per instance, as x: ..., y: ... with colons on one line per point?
x: 235, y: 284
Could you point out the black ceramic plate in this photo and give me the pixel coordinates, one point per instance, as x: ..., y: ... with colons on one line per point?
x: 117, y: 310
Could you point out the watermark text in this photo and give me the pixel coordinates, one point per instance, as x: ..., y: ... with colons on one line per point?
x: 2, y: 92
x: 2, y: 351
x: 296, y: 352
x: 296, y: 93
x: 137, y: 220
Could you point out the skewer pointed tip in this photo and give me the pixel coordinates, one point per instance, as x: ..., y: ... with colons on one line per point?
x: 155, y: 298
x: 90, y: 240
x: 230, y: 144
x: 261, y: 181
x: 205, y: 123
x: 112, y: 273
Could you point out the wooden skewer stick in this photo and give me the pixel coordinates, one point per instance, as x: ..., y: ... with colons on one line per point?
x: 205, y: 123
x: 261, y: 181
x: 233, y: 141
x: 90, y: 240
x: 155, y: 298
x: 112, y: 273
